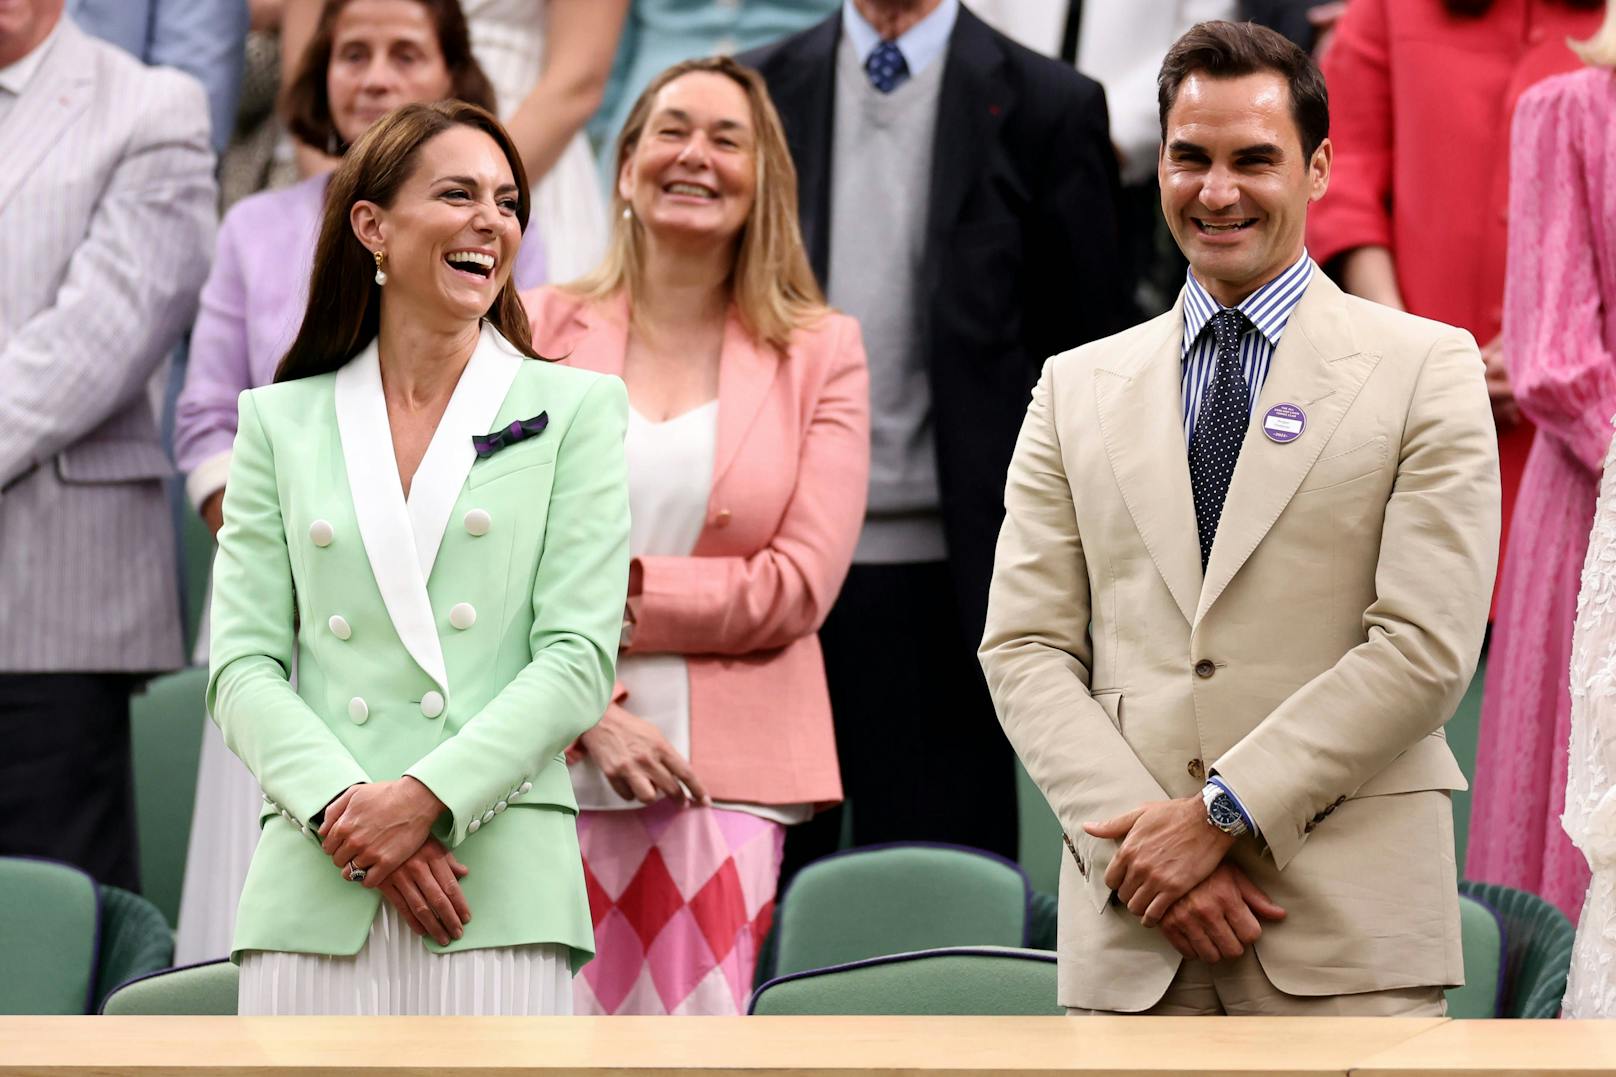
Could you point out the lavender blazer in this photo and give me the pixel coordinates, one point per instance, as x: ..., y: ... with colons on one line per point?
x: 252, y: 306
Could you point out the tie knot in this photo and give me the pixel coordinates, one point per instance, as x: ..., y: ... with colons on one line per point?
x: 1230, y: 322
x: 886, y: 67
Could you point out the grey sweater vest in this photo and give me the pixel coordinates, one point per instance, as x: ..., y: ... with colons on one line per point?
x: 879, y: 197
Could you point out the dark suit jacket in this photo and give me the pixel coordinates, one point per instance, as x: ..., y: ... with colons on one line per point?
x: 1021, y: 259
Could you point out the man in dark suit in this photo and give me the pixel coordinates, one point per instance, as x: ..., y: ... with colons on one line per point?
x: 957, y: 195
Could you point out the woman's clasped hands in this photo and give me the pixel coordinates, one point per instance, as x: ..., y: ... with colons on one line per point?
x: 384, y: 829
x: 639, y: 762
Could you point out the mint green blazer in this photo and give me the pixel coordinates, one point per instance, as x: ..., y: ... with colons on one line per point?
x: 465, y: 636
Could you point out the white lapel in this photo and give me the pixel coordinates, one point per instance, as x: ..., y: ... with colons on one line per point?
x: 472, y: 410
x: 378, y: 501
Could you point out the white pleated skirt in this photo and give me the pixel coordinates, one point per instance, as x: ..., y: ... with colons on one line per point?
x: 224, y: 834
x: 395, y: 975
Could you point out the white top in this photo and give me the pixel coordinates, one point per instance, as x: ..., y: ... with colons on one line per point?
x: 670, y: 477
x: 569, y: 208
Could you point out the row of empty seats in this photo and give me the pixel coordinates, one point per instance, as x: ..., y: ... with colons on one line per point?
x: 897, y: 929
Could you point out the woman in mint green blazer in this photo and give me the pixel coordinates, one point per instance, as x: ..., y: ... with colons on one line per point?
x: 430, y: 527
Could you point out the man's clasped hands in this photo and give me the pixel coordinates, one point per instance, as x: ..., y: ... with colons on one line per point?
x: 385, y: 829
x: 1171, y: 871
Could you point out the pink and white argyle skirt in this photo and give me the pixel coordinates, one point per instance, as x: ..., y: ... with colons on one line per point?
x: 682, y: 899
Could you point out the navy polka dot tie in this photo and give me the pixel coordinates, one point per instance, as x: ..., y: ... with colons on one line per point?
x: 886, y: 67
x: 1220, y: 428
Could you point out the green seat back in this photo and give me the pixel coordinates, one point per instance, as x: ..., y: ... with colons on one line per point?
x: 1537, y: 949
x: 1041, y: 841
x: 135, y: 940
x: 166, y: 723
x: 989, y: 981
x: 196, y: 565
x: 205, y: 990
x: 47, y: 938
x: 895, y: 899
x: 1482, y: 934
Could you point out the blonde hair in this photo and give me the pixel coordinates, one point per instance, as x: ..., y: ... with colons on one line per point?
x: 1599, y: 50
x: 771, y: 283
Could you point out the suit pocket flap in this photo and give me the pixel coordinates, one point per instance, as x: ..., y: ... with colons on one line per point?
x: 113, y: 461
x: 1343, y: 467
x: 518, y: 457
x: 1427, y: 765
x: 1110, y: 701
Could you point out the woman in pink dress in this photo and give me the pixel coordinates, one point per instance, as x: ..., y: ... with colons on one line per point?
x: 1560, y: 339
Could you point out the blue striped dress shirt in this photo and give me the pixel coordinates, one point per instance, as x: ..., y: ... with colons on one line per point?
x: 1269, y: 310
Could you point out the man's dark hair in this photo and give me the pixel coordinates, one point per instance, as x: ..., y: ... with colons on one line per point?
x: 1228, y: 50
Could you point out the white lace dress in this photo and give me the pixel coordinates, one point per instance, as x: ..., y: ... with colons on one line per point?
x: 569, y: 209
x: 1590, y: 807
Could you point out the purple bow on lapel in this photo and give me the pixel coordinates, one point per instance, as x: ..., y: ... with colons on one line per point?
x: 489, y: 444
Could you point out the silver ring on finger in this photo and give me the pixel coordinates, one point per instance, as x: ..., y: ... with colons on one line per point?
x: 356, y: 874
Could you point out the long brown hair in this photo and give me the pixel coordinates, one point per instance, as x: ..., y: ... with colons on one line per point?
x: 772, y: 285
x: 344, y: 311
x: 306, y: 106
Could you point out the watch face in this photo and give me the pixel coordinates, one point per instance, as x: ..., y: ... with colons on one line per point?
x: 1224, y: 815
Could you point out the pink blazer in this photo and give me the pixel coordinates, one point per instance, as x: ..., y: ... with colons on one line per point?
x: 790, y: 477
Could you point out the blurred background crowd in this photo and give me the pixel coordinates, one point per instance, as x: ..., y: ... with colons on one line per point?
x: 156, y: 236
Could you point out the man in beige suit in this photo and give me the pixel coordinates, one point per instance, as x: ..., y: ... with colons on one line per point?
x: 1241, y: 585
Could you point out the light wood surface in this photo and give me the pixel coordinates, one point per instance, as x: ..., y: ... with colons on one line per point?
x: 696, y: 1046
x: 1496, y: 1048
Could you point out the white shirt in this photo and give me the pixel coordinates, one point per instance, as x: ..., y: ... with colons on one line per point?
x: 670, y: 474
x: 15, y: 76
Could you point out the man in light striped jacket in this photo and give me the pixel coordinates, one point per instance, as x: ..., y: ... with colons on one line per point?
x: 106, y: 226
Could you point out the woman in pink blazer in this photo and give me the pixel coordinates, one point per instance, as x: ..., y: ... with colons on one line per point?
x: 748, y: 450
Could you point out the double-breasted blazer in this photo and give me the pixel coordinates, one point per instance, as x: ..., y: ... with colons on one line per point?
x: 789, y: 480
x: 465, y: 635
x: 1336, y: 627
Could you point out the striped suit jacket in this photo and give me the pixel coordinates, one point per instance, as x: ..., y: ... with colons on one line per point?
x: 107, y: 213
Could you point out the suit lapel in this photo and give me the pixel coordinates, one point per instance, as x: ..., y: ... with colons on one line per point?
x: 384, y: 521
x: 472, y: 410
x: 597, y: 338
x: 1317, y: 367
x: 59, y: 90
x: 745, y: 373
x: 804, y: 91
x: 1141, y: 413
x: 972, y: 102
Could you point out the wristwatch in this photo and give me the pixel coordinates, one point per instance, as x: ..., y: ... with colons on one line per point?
x: 1221, y: 811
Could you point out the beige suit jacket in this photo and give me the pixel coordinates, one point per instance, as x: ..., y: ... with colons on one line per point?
x: 1313, y: 667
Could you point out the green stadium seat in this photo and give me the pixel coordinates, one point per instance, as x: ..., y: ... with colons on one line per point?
x: 966, y: 980
x: 1537, y: 949
x: 1482, y: 934
x: 889, y: 899
x: 166, y: 723
x: 1041, y: 843
x: 48, y: 943
x: 207, y: 990
x: 135, y: 940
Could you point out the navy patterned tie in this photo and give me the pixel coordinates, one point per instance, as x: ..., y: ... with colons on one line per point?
x: 1220, y: 428
x: 886, y: 67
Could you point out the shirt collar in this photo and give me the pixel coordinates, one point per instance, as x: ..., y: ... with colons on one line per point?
x: 922, y: 44
x: 1269, y: 307
x: 15, y: 76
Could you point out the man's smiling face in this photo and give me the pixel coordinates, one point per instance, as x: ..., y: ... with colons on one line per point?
x: 1235, y: 185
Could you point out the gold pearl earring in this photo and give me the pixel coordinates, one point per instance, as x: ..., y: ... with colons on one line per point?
x: 628, y: 213
x: 381, y: 274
